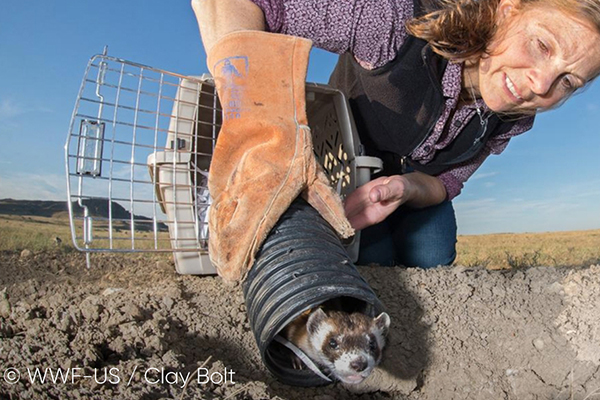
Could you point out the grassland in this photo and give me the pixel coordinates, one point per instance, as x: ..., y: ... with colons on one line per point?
x: 509, y: 250
x: 492, y: 251
x: 18, y: 232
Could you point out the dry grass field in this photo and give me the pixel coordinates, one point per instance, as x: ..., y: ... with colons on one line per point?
x: 509, y: 250
x: 18, y: 232
x: 496, y: 251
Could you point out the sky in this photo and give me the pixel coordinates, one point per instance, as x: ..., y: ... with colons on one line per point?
x: 547, y: 180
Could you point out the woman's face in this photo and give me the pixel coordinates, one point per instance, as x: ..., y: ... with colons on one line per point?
x: 539, y: 56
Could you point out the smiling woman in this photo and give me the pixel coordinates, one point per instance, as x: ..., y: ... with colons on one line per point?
x: 539, y: 56
x: 435, y: 87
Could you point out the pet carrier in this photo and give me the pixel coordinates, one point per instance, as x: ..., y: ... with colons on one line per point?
x: 138, y: 151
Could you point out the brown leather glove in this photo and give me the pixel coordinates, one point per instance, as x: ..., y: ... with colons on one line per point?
x: 264, y: 157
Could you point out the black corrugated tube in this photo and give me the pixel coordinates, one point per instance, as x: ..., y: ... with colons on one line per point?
x: 301, y: 265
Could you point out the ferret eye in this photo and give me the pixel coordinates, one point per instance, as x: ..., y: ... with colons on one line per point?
x: 333, y: 344
x: 372, y: 344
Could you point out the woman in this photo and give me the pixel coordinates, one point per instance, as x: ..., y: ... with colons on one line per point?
x: 435, y: 89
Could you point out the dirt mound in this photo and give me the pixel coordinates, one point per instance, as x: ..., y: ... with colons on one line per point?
x: 131, y: 328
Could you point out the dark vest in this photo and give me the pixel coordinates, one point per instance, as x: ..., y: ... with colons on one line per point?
x: 396, y: 107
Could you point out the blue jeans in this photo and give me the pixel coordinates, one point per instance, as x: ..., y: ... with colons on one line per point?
x: 411, y: 237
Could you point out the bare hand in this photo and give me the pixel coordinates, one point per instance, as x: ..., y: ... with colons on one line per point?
x: 375, y: 201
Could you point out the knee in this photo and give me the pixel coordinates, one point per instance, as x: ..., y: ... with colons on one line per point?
x: 432, y: 259
x: 430, y: 240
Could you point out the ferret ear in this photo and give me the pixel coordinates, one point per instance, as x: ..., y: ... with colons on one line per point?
x: 315, y: 319
x: 382, y: 323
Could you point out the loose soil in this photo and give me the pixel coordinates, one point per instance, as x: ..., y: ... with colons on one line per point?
x: 457, y: 333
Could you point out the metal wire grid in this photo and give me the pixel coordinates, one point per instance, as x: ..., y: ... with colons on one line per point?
x: 131, y: 125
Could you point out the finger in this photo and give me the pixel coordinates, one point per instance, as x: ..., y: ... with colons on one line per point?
x: 357, y: 206
x: 367, y: 201
x: 385, y: 191
x: 359, y: 198
x: 359, y: 222
x: 379, y: 193
x: 371, y: 215
x: 392, y: 191
x: 362, y: 220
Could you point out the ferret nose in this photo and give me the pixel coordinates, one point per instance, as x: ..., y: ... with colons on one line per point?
x: 359, y: 364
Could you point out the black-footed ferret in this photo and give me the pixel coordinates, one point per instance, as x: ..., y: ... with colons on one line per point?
x: 348, y: 346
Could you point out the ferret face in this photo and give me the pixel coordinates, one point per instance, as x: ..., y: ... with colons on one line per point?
x: 348, y: 345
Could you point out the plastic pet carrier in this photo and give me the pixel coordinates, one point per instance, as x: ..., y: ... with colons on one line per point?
x: 138, y: 152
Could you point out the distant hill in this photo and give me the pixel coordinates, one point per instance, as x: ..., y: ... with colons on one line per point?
x: 59, y: 209
x: 38, y: 208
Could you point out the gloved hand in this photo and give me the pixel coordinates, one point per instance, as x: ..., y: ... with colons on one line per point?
x: 264, y: 157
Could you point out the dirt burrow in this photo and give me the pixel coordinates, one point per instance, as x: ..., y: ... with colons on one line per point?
x: 131, y: 328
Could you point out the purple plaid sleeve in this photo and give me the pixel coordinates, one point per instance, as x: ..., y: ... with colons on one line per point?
x: 455, y: 178
x: 372, y: 31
